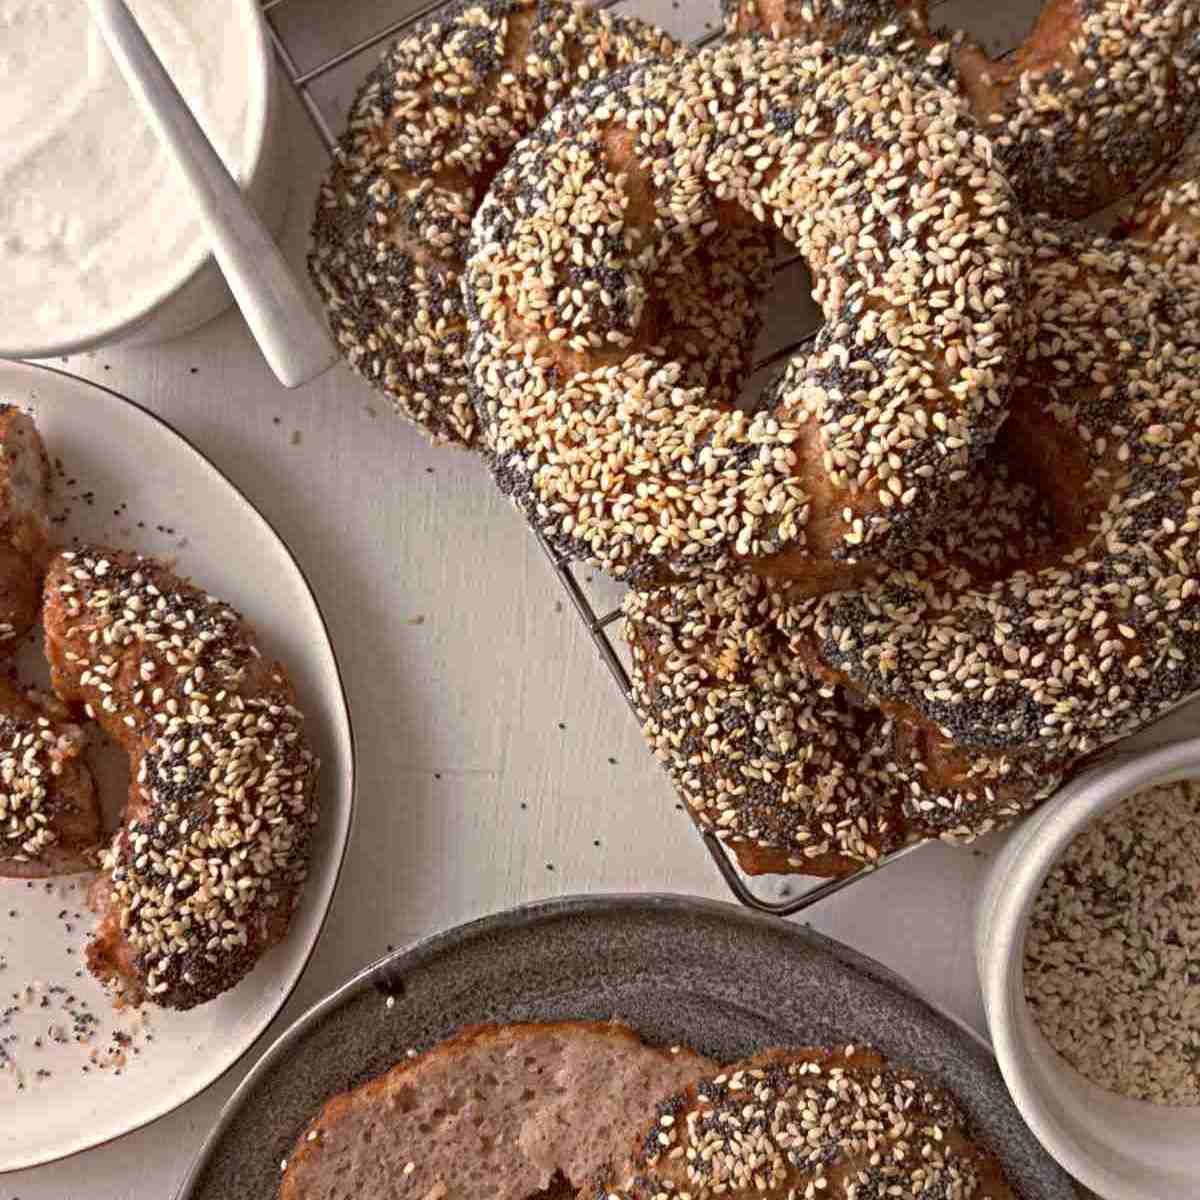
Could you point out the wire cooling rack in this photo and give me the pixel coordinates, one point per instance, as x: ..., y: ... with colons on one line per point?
x: 599, y: 624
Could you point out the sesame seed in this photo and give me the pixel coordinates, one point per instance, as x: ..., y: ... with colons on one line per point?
x: 442, y: 110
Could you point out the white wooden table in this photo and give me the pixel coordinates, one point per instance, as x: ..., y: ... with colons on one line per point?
x: 496, y: 763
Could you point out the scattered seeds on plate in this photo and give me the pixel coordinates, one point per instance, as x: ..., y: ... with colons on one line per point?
x: 1112, y: 957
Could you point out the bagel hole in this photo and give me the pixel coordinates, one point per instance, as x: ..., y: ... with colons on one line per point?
x: 790, y: 318
x: 110, y: 768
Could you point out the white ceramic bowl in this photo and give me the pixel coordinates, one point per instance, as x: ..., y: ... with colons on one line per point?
x: 197, y: 292
x: 1122, y: 1149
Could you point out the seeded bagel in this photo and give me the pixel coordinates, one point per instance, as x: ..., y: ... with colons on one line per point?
x: 207, y: 867
x: 509, y: 1111
x: 591, y: 424
x: 49, y: 817
x: 1099, y: 634
x: 1097, y: 97
x: 430, y: 126
x: 24, y: 524
x: 793, y: 771
x: 810, y: 1123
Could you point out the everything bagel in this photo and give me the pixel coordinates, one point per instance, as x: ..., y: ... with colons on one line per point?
x: 1098, y: 634
x: 1097, y: 97
x: 793, y: 771
x: 204, y: 873
x: 888, y: 192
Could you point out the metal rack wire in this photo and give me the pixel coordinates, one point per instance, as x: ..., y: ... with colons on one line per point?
x: 598, y: 625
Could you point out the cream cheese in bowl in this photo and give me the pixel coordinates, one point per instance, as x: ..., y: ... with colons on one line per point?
x: 95, y: 228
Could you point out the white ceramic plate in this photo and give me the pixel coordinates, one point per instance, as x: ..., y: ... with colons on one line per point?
x: 122, y: 465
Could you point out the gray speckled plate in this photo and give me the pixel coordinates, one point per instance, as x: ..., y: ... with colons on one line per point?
x: 723, y: 980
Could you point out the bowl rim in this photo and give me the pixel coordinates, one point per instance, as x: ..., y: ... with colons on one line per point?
x: 1015, y: 886
x: 259, y: 118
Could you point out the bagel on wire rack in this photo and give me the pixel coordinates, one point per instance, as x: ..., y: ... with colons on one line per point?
x: 204, y: 873
x: 428, y: 129
x: 838, y: 1123
x: 1097, y: 97
x: 1097, y: 635
x: 793, y: 771
x: 885, y: 187
x: 49, y: 816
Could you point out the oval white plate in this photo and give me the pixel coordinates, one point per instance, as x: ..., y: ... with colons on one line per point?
x: 123, y: 465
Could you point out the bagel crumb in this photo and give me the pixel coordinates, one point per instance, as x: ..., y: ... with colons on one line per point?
x: 1112, y: 956
x: 43, y: 1017
x: 543, y: 1102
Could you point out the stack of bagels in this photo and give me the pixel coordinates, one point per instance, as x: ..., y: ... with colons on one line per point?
x: 950, y: 552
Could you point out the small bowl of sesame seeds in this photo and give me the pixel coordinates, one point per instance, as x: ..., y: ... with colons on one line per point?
x: 1088, y: 949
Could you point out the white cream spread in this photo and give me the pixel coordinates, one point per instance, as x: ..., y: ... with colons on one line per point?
x: 94, y: 223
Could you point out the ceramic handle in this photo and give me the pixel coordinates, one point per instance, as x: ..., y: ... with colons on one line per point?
x: 282, y: 315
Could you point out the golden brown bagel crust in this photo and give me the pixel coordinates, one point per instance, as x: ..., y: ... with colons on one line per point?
x: 1097, y: 97
x: 909, y: 234
x: 807, y: 1123
x: 50, y: 821
x: 770, y: 752
x: 427, y: 131
x: 503, y: 1111
x: 204, y: 874
x: 1099, y: 634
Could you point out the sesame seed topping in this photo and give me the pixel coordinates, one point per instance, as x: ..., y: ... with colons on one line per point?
x: 812, y: 1123
x: 203, y: 875
x: 429, y: 127
x: 596, y: 428
x: 785, y: 765
x: 1082, y: 113
x: 1095, y: 634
